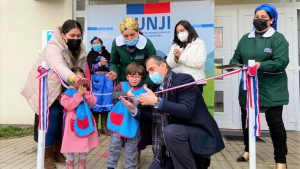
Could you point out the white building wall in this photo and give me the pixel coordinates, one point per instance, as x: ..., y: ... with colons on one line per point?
x: 21, y: 25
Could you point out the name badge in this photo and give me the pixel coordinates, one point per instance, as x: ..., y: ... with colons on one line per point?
x: 139, y: 57
x: 268, y: 50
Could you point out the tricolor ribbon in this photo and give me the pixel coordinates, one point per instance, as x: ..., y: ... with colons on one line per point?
x: 43, y: 109
x: 250, y: 84
x: 203, y: 80
x: 200, y: 81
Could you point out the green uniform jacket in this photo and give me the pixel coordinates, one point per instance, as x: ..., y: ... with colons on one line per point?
x: 120, y: 58
x: 273, y: 54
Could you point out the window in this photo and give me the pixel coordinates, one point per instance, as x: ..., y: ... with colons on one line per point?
x: 218, y: 37
x: 81, y: 21
x: 80, y: 5
x: 219, y: 101
x: 218, y: 62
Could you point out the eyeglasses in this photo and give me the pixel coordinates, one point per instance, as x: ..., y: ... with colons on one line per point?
x: 135, y: 76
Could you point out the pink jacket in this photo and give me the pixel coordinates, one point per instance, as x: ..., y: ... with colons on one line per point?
x: 57, y: 56
x: 71, y: 143
x: 71, y: 103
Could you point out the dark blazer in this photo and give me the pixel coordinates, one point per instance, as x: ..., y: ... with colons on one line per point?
x: 187, y: 107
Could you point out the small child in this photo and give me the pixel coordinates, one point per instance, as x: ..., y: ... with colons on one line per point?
x: 102, y: 88
x: 80, y: 132
x: 121, y: 121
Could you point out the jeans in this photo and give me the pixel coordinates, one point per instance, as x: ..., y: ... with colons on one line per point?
x: 55, y: 127
x: 277, y: 132
x: 115, y: 148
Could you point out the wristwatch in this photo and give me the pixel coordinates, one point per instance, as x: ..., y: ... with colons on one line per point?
x: 157, y: 103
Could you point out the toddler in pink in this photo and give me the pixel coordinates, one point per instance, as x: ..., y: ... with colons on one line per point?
x: 72, y: 142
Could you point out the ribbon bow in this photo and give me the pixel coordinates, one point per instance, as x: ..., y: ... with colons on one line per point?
x: 250, y: 84
x: 43, y: 108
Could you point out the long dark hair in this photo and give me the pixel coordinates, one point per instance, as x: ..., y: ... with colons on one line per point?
x: 192, y: 33
x: 66, y: 27
x: 70, y: 24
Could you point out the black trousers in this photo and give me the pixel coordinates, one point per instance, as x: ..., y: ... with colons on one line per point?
x: 277, y: 132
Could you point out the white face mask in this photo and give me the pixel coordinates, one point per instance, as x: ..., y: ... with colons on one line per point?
x: 183, y: 36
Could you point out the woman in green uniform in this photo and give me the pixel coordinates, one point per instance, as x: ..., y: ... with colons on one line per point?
x: 270, y: 50
x: 130, y: 47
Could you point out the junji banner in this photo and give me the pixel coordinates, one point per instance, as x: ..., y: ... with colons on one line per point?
x: 157, y: 22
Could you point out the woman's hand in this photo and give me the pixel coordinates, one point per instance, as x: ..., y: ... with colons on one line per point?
x: 177, y: 54
x: 103, y: 62
x: 81, y: 81
x: 257, y: 65
x: 112, y: 75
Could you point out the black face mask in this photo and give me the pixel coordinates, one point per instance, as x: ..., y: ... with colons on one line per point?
x: 260, y: 24
x: 73, y: 44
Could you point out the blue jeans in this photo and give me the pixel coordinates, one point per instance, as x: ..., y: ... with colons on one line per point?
x: 55, y: 127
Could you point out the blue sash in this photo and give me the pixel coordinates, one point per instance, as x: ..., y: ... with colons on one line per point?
x: 83, y: 124
x: 120, y: 120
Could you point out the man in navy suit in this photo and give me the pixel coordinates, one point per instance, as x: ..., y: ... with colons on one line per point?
x: 184, y: 134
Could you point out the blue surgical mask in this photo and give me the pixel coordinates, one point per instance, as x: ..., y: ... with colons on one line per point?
x: 133, y: 42
x: 97, y: 47
x: 157, y: 78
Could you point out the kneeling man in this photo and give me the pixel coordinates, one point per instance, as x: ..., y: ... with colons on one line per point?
x: 184, y: 134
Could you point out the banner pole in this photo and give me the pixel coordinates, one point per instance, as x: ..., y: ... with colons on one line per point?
x: 252, y: 137
x: 41, y: 142
x: 41, y: 149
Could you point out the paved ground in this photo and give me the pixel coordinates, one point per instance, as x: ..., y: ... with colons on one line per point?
x: 20, y: 153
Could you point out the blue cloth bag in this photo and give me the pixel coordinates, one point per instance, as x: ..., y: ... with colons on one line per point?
x: 102, y: 88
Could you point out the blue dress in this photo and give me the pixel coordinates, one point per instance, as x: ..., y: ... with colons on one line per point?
x: 102, y: 88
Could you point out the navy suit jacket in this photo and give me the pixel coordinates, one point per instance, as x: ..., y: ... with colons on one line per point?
x: 187, y: 107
